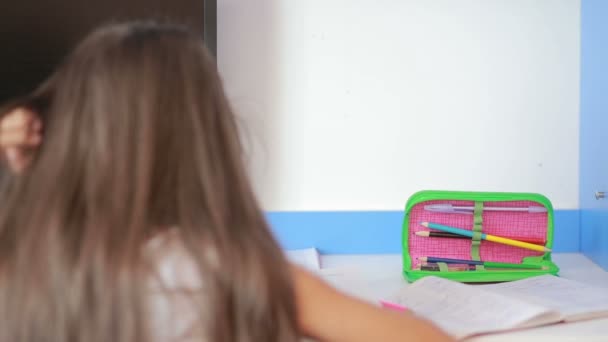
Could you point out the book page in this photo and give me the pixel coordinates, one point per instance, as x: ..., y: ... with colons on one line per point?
x: 464, y: 310
x: 573, y: 299
x: 307, y: 258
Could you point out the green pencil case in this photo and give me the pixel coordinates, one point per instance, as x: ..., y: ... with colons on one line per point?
x: 428, y: 251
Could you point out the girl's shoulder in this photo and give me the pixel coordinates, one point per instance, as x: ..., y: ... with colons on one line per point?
x: 176, y: 293
x: 172, y: 266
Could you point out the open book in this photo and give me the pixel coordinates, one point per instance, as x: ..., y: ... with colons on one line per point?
x: 465, y: 310
x: 308, y: 258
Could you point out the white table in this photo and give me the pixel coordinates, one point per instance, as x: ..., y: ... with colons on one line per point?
x: 372, y: 277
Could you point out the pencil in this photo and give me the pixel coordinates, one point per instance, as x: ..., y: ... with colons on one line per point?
x: 488, y: 237
x: 538, y: 241
x: 469, y: 268
x: 435, y: 267
x: 490, y: 264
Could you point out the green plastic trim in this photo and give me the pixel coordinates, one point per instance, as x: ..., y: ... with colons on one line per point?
x: 487, y: 275
x: 477, y: 214
x: 477, y: 226
x: 475, y: 249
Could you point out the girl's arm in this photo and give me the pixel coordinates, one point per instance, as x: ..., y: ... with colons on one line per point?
x: 328, y: 315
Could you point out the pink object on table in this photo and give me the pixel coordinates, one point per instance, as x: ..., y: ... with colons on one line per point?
x: 392, y: 306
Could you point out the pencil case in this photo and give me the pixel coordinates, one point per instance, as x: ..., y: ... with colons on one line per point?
x: 524, y: 217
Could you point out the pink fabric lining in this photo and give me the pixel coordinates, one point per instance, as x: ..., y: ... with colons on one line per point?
x: 505, y: 224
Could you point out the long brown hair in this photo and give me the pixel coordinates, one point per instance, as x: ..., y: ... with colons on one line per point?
x: 139, y: 140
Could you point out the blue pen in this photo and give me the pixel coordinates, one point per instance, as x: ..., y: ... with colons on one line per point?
x: 484, y: 263
x: 450, y: 261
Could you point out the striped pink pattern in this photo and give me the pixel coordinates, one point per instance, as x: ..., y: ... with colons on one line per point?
x: 523, y: 224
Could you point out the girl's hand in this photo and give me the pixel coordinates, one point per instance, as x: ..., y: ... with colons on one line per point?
x: 20, y: 136
x: 328, y: 315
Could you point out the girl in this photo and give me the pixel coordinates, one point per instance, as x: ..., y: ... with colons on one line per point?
x: 135, y: 221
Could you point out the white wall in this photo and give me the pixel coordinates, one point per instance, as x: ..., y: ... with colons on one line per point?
x: 355, y: 105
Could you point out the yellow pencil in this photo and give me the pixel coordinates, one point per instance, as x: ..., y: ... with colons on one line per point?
x: 516, y: 243
x: 488, y: 237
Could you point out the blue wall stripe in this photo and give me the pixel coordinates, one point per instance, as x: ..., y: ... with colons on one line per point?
x: 377, y: 232
x: 567, y: 232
